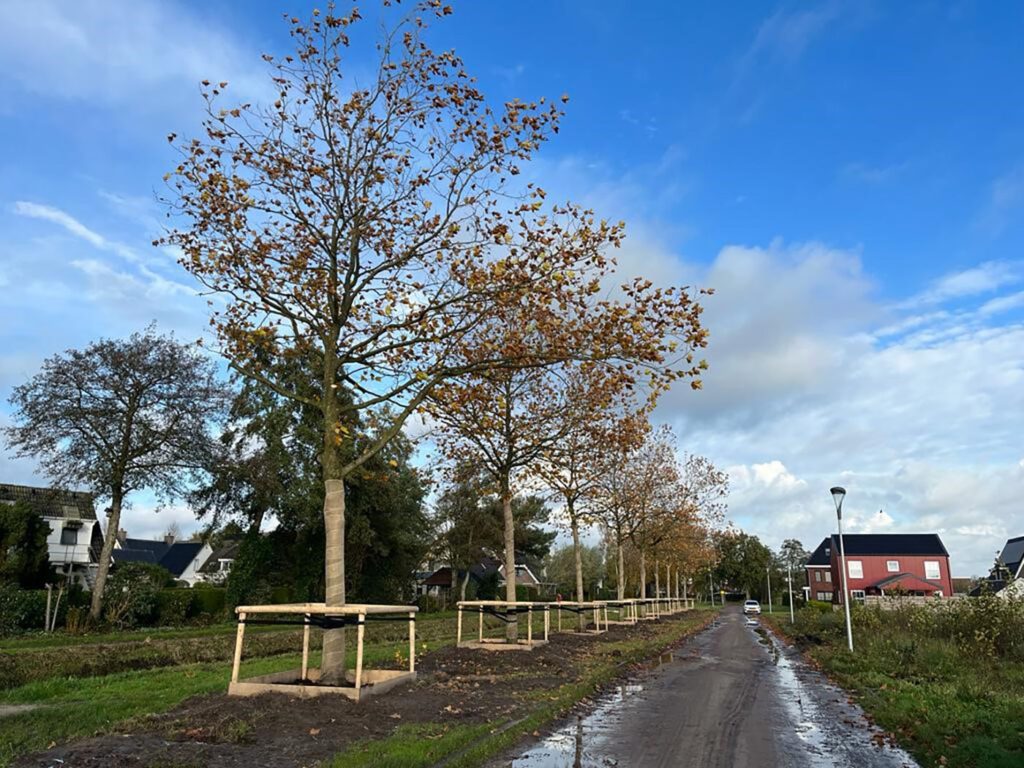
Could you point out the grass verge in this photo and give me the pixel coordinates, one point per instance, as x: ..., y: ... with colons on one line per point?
x: 77, y: 707
x: 946, y: 702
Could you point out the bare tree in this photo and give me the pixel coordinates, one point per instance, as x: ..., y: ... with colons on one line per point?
x: 119, y: 416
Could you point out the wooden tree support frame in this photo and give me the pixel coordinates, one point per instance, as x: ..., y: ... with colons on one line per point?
x: 480, y: 607
x: 303, y: 683
x: 627, y: 611
x: 599, y: 608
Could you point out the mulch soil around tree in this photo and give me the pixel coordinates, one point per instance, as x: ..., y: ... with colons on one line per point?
x: 454, y: 686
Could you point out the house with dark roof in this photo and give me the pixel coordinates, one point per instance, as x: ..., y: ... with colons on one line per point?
x: 819, y: 573
x: 439, y: 582
x: 884, y: 564
x: 218, y: 565
x: 1007, y: 572
x: 75, y: 539
x: 182, y: 558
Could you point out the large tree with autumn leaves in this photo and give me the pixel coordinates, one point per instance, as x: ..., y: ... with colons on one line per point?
x: 375, y: 225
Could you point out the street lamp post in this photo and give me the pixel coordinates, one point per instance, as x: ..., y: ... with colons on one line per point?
x: 789, y: 586
x: 838, y: 494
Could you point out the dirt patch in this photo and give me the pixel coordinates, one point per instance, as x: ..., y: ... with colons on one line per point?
x: 455, y: 686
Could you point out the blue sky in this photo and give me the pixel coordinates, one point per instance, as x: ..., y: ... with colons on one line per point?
x: 848, y: 176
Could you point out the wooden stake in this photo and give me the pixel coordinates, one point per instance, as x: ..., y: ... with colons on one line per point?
x: 412, y: 641
x: 359, y: 653
x: 238, y: 648
x: 305, y: 649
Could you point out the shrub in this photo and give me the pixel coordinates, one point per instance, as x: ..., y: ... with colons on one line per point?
x: 174, y: 606
x: 208, y: 601
x: 21, y: 609
x: 131, y: 596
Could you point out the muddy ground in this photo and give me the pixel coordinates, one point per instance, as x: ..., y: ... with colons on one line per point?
x: 456, y: 686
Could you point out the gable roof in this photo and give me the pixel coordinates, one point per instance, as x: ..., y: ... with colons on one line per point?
x: 907, y: 581
x: 51, y: 502
x: 179, y: 555
x: 890, y: 544
x: 226, y: 551
x: 1013, y: 554
x: 822, y: 555
x: 174, y: 557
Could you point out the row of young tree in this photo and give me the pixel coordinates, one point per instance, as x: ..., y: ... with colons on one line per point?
x: 371, y: 254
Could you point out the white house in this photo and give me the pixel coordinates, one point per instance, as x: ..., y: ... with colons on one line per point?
x: 75, y: 538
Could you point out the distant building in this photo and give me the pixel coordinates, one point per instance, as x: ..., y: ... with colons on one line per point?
x: 75, y: 538
x: 182, y: 558
x: 881, y: 564
x: 819, y: 572
x: 218, y: 565
x: 1006, y: 573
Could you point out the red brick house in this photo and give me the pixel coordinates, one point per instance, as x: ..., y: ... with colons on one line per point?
x: 881, y: 564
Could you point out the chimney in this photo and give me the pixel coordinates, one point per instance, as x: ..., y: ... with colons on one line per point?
x: 122, y: 536
x: 169, y: 539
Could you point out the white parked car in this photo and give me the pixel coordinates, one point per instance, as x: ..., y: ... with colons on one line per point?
x: 751, y: 606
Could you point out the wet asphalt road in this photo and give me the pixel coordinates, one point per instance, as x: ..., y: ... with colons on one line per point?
x: 729, y: 698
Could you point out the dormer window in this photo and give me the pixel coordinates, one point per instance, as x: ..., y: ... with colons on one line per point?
x: 69, y: 536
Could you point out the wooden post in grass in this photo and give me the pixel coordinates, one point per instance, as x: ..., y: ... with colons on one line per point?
x: 238, y: 648
x: 458, y: 627
x: 412, y: 641
x: 359, y: 653
x: 529, y: 625
x: 480, y: 625
x: 305, y: 648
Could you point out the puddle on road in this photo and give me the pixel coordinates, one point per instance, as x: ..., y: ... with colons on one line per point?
x: 818, y: 733
x: 566, y: 747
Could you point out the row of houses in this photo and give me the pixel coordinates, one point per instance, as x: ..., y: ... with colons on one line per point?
x: 75, y: 540
x: 887, y: 564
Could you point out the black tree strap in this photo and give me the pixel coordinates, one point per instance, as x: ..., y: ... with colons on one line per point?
x: 324, y: 621
x: 572, y: 609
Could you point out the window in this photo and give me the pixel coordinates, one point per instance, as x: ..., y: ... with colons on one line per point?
x: 855, y: 568
x: 824, y: 596
x: 857, y: 594
x: 828, y: 576
x: 931, y: 569
x: 892, y: 566
x: 69, y: 536
x: 817, y: 575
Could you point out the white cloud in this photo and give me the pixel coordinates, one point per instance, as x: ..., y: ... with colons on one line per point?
x: 1006, y: 199
x: 120, y: 52
x: 75, y: 227
x: 787, y: 35
x: 984, y: 278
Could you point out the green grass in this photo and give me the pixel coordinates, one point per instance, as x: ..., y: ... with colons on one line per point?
x: 76, y: 707
x: 947, y: 703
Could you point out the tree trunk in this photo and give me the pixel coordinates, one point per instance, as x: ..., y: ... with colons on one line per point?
x: 511, y: 628
x: 465, y: 584
x: 113, y: 525
x: 668, y: 580
x: 657, y: 580
x: 643, y: 575
x: 333, y: 663
x: 575, y: 524
x: 621, y: 570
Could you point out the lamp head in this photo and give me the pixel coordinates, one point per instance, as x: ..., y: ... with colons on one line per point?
x: 838, y: 494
